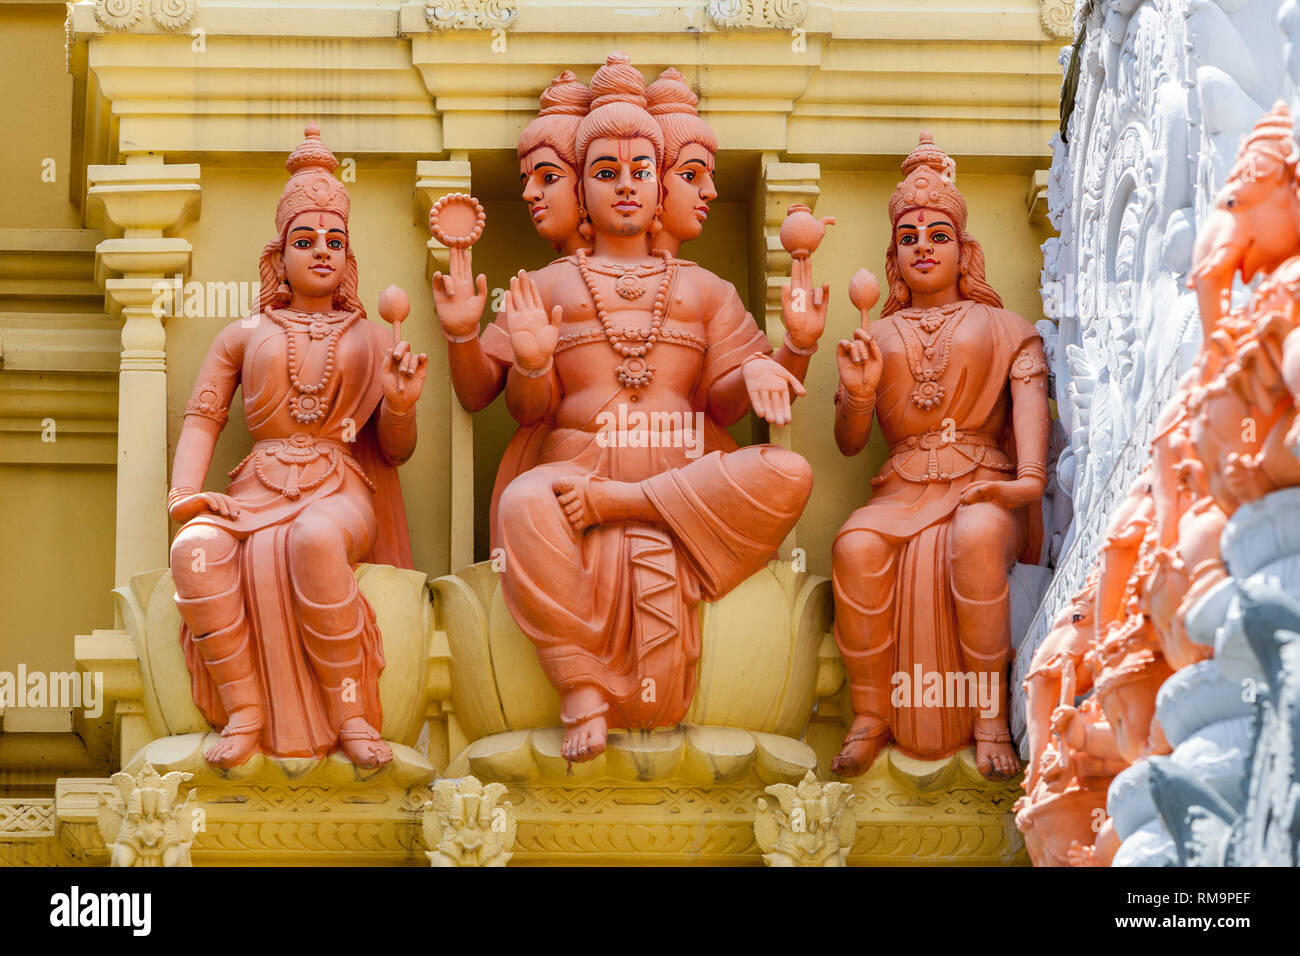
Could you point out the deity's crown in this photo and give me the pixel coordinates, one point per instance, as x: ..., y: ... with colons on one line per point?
x: 928, y: 184
x: 1272, y: 138
x: 311, y: 186
x: 566, y: 96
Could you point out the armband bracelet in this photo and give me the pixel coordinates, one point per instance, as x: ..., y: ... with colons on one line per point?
x: 1031, y: 469
x: 854, y: 405
x: 795, y: 349
x: 399, y: 418
x: 535, y: 373
x: 178, y: 494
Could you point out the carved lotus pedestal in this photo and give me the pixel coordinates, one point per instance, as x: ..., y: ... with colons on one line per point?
x: 269, y: 810
x: 675, y: 796
x: 934, y: 813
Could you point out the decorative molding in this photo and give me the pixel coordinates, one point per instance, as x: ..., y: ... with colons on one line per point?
x: 119, y: 15
x: 471, y: 14
x: 468, y: 824
x: 756, y: 14
x: 173, y: 14
x: 812, y: 823
x: 1058, y: 18
x: 143, y: 821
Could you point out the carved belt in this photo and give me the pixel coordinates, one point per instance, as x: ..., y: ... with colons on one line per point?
x: 299, y: 452
x: 930, y: 442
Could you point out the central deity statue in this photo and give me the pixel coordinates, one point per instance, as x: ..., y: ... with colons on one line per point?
x: 623, y: 364
x: 921, y: 573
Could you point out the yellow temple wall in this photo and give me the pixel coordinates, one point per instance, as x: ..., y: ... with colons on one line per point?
x: 391, y: 92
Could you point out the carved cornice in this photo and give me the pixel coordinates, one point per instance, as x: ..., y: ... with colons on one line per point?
x: 756, y: 14
x: 471, y: 14
x: 121, y: 16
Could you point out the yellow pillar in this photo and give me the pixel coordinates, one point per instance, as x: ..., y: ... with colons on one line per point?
x: 146, y: 201
x: 437, y: 178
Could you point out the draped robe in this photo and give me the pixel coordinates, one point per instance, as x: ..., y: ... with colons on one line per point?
x: 335, y: 462
x: 916, y: 494
x: 615, y: 607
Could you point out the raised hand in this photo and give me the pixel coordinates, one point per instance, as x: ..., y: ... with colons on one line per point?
x: 402, y: 377
x: 458, y: 298
x: 860, y: 363
x: 803, y: 308
x: 769, y: 385
x: 532, y: 333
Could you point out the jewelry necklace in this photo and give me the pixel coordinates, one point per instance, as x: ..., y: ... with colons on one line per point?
x: 941, y: 324
x: 309, y: 406
x: 634, y: 371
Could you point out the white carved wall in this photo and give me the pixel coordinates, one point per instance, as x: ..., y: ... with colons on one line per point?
x: 1165, y: 91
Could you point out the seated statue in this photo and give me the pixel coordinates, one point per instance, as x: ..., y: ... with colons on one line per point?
x: 638, y: 504
x: 921, y: 573
x: 283, y: 650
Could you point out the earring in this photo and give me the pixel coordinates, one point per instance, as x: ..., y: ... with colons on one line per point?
x: 656, y: 225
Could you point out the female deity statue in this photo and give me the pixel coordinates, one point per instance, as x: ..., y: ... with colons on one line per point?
x: 640, y: 504
x: 283, y: 649
x: 920, y: 573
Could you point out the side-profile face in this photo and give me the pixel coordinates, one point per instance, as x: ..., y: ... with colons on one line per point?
x: 551, y: 190
x: 925, y: 242
x: 315, y: 253
x: 1254, y: 219
x: 621, y: 185
x: 688, y: 190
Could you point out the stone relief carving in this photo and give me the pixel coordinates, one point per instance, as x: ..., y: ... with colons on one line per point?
x: 470, y: 14
x: 756, y: 14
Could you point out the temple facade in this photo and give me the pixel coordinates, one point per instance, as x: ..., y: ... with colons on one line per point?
x: 1089, y: 145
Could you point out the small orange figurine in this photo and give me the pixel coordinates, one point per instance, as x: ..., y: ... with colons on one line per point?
x: 283, y: 650
x: 959, y: 386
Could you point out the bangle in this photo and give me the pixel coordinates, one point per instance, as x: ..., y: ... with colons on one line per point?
x: 535, y: 373
x: 1031, y: 469
x: 854, y: 405
x: 459, y: 339
x: 178, y: 494
x: 786, y: 341
x: 752, y: 356
x: 399, y: 418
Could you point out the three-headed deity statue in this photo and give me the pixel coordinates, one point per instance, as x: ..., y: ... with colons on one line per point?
x: 626, y: 364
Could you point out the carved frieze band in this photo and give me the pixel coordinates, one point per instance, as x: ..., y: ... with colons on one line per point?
x: 756, y: 14
x: 470, y: 14
x: 123, y: 15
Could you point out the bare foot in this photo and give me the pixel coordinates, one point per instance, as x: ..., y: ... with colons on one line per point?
x: 362, y: 744
x: 572, y: 495
x: 997, y: 758
x: 585, y: 740
x: 865, y: 740
x: 239, y: 739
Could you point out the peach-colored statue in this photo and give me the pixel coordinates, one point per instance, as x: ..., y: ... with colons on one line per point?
x: 283, y: 650
x: 548, y: 172
x: 640, y: 504
x: 690, y: 148
x: 959, y: 386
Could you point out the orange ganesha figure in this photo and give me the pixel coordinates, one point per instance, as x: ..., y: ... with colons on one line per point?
x: 283, y: 650
x: 638, y: 504
x: 921, y: 573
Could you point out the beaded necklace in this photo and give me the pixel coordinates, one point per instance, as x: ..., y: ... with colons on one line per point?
x: 309, y: 406
x: 940, y: 324
x: 634, y: 371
